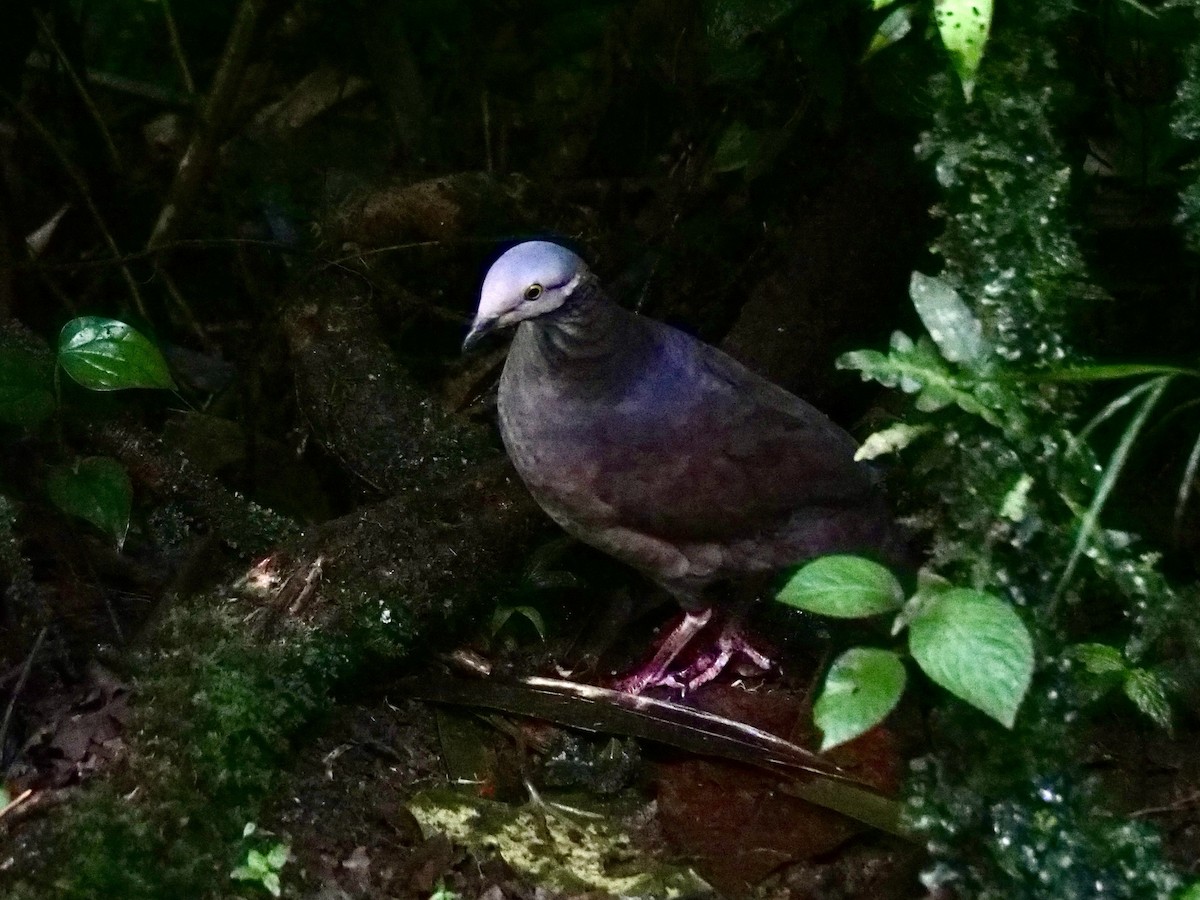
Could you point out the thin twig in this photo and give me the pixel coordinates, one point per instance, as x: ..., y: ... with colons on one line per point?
x: 183, y: 243
x: 177, y: 48
x: 16, y: 801
x: 80, y: 182
x: 20, y: 685
x: 217, y: 107
x: 181, y: 304
x: 120, y: 84
x: 84, y: 95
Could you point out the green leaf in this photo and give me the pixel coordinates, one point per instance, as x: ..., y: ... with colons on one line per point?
x: 1100, y: 659
x: 271, y: 882
x: 1191, y: 892
x: 963, y: 25
x: 278, y: 855
x: 1148, y: 691
x: 1088, y: 524
x: 845, y: 587
x: 949, y: 321
x: 26, y: 387
x: 736, y: 149
x: 97, y: 490
x: 892, y: 29
x: 918, y: 368
x: 890, y: 440
x: 502, y: 615
x: 863, y: 685
x: 976, y: 647
x: 106, y: 355
x: 1015, y: 505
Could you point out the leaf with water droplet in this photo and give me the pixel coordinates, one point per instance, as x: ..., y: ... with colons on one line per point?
x: 107, y: 355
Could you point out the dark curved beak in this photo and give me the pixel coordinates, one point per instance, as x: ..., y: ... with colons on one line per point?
x: 480, y: 330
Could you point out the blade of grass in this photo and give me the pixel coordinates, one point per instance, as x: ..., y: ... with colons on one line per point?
x: 1185, y: 487
x: 1154, y: 390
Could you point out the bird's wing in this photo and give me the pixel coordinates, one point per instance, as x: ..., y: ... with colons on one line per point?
x: 730, y: 457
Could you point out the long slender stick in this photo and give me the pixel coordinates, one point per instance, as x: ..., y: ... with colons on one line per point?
x: 20, y: 685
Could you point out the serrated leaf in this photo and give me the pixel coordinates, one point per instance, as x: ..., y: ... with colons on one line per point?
x: 963, y: 26
x: 918, y: 368
x: 97, y: 490
x: 845, y: 587
x: 893, y: 28
x: 107, y: 355
x: 890, y: 440
x: 26, y: 387
x: 976, y: 647
x: 949, y: 321
x: 863, y: 685
x: 1148, y: 691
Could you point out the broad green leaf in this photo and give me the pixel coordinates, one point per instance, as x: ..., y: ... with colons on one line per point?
x: 949, y: 321
x: 1148, y: 691
x: 976, y: 647
x: 736, y: 149
x: 963, y: 25
x: 1191, y: 892
x: 863, y: 685
x: 845, y: 587
x: 97, y: 490
x: 26, y: 387
x: 890, y: 440
x: 271, y: 882
x: 107, y: 355
x: 892, y: 29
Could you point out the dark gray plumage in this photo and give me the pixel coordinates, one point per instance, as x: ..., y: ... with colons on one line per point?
x: 659, y: 449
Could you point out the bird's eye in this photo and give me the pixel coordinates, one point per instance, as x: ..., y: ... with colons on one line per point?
x: 533, y: 291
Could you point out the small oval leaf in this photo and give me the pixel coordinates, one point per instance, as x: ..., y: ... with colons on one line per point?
x: 863, y: 685
x: 845, y: 587
x: 107, y: 355
x: 97, y: 490
x: 949, y: 320
x: 26, y: 386
x: 976, y: 647
x: 892, y: 29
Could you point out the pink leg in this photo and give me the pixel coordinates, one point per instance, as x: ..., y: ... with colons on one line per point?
x: 707, y: 665
x: 655, y: 671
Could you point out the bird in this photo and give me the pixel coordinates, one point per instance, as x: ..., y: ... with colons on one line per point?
x: 663, y: 451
